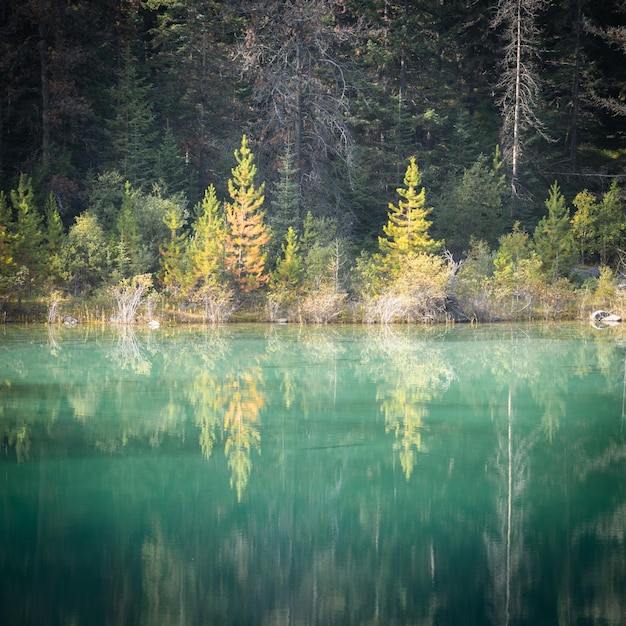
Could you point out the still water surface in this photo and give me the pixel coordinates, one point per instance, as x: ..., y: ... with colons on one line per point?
x: 299, y: 476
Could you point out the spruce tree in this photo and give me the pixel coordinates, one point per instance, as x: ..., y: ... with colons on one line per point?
x: 132, y: 130
x: 584, y: 222
x: 29, y: 253
x: 206, y: 248
x: 611, y: 225
x: 173, y: 252
x: 247, y: 232
x: 553, y: 237
x: 286, y: 279
x: 7, y: 265
x: 407, y: 227
x: 53, y: 235
x: 128, y: 243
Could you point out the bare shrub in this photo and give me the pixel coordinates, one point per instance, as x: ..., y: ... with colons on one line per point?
x: 418, y: 294
x: 323, y: 305
x: 129, y: 295
x: 56, y: 298
x: 217, y: 301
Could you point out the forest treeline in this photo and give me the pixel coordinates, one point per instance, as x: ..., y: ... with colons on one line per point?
x: 317, y: 160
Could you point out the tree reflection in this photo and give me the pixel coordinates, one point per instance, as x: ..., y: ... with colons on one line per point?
x: 245, y: 400
x: 411, y: 378
x: 168, y: 583
x: 128, y: 353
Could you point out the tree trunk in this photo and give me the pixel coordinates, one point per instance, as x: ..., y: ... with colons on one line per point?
x: 45, y: 86
x: 573, y: 130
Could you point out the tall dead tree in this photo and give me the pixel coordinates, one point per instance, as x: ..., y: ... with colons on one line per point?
x: 519, y: 84
x: 296, y: 56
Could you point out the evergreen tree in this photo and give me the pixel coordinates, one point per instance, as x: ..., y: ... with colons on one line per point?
x: 285, y: 204
x: 29, y: 252
x: 128, y: 261
x: 132, y: 129
x: 170, y: 166
x: 247, y: 232
x: 584, y: 222
x: 474, y: 207
x: 553, y: 237
x: 7, y: 265
x: 173, y: 252
x: 85, y: 258
x: 53, y: 236
x: 206, y: 247
x: 286, y: 279
x: 407, y: 227
x: 610, y: 225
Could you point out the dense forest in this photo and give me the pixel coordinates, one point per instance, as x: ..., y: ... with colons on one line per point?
x: 312, y: 160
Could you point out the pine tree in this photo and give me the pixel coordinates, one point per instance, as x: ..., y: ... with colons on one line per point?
x: 474, y: 207
x: 173, y: 252
x: 287, y: 277
x: 286, y: 202
x: 584, y: 222
x: 29, y: 252
x: 53, y: 235
x: 553, y: 237
x: 610, y: 225
x: 7, y: 238
x: 132, y: 131
x: 128, y: 243
x: 407, y: 227
x: 247, y: 233
x: 206, y: 248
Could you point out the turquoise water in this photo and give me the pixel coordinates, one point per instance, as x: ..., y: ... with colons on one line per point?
x: 337, y: 475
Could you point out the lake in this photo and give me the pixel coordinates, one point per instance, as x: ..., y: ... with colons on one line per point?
x: 279, y: 474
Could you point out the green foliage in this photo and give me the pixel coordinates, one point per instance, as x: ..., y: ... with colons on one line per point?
x: 28, y: 251
x: 285, y: 206
x: 53, y: 236
x: 472, y: 281
x: 407, y: 228
x: 174, y: 260
x: 85, y: 258
x: 7, y: 265
x: 584, y: 223
x: 206, y: 247
x: 553, y: 237
x: 610, y: 224
x: 132, y: 130
x: 127, y: 259
x: 170, y: 166
x: 286, y: 279
x: 474, y: 207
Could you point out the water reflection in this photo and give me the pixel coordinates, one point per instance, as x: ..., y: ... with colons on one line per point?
x: 298, y: 475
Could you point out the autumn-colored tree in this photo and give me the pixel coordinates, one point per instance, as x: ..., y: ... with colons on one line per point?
x: 247, y: 232
x: 242, y: 412
x: 407, y: 229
